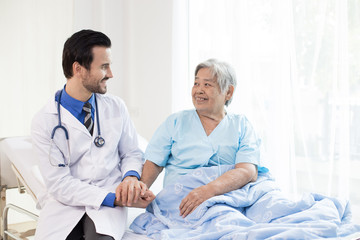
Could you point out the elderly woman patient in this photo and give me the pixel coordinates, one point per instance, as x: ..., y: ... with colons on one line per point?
x: 205, y: 136
x: 215, y: 186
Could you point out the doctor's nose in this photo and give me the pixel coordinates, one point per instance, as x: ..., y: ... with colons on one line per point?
x: 109, y: 73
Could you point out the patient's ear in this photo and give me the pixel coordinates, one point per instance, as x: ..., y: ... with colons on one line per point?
x: 229, y: 93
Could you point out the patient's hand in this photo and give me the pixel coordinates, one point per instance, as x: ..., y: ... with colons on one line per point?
x: 194, y: 199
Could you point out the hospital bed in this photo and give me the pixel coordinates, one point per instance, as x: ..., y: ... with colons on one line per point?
x: 19, y: 169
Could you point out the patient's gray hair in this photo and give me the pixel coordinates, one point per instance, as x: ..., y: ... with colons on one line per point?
x: 224, y: 73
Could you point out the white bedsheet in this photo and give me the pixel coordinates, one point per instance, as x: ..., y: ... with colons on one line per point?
x: 19, y: 152
x: 134, y: 236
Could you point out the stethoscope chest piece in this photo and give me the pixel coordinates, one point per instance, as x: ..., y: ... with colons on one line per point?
x: 99, y: 141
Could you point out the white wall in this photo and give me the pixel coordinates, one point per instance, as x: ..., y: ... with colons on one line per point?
x: 148, y: 33
x: 141, y: 34
x: 33, y: 34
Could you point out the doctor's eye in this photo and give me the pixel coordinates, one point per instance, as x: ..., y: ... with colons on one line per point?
x: 105, y: 66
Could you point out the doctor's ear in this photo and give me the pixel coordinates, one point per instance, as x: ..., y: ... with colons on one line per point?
x: 77, y: 68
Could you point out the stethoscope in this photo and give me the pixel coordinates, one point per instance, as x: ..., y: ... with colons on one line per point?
x: 99, y: 141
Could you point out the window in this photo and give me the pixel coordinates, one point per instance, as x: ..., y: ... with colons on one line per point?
x: 298, y: 83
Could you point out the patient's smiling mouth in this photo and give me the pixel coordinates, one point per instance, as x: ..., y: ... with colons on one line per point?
x: 199, y: 99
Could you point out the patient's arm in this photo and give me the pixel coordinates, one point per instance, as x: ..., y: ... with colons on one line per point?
x: 150, y: 172
x: 242, y: 174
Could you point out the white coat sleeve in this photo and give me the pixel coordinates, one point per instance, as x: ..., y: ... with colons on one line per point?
x: 132, y: 158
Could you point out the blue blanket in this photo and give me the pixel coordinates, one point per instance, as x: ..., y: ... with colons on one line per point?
x: 256, y: 211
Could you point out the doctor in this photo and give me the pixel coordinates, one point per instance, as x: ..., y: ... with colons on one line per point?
x: 86, y: 152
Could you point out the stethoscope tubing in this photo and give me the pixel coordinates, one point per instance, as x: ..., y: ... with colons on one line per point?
x: 99, y: 141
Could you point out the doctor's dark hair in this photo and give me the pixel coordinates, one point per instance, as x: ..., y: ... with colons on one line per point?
x: 78, y: 48
x: 224, y: 73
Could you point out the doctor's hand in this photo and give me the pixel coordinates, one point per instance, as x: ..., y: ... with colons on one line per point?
x: 194, y: 199
x: 142, y: 202
x: 130, y: 191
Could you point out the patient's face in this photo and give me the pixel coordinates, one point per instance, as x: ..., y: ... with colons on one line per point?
x: 206, y: 94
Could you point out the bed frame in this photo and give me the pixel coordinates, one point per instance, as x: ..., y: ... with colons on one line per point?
x: 16, y: 175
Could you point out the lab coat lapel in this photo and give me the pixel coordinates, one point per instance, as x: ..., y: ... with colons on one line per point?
x: 67, y: 119
x: 72, y: 122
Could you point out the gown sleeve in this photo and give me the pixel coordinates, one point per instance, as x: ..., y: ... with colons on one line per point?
x: 159, y: 147
x: 249, y: 145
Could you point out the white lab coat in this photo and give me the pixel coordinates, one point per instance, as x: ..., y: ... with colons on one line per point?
x: 93, y: 172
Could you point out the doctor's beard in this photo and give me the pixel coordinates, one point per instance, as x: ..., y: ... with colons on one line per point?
x: 96, y: 87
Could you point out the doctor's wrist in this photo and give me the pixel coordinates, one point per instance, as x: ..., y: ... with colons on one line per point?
x: 131, y: 173
x: 118, y: 203
x: 109, y: 200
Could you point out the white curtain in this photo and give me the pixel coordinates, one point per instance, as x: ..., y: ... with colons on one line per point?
x: 297, y: 64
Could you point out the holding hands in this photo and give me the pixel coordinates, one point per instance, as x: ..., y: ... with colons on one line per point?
x: 133, y: 193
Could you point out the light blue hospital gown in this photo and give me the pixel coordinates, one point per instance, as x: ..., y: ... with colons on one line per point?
x: 180, y: 144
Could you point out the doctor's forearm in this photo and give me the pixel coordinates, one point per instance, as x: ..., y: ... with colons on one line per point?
x: 150, y: 172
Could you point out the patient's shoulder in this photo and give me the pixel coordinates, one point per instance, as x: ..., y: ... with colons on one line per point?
x: 185, y: 115
x: 175, y: 120
x: 236, y: 116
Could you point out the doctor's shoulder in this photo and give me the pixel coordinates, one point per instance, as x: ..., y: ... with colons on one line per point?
x: 45, y: 117
x: 111, y: 102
